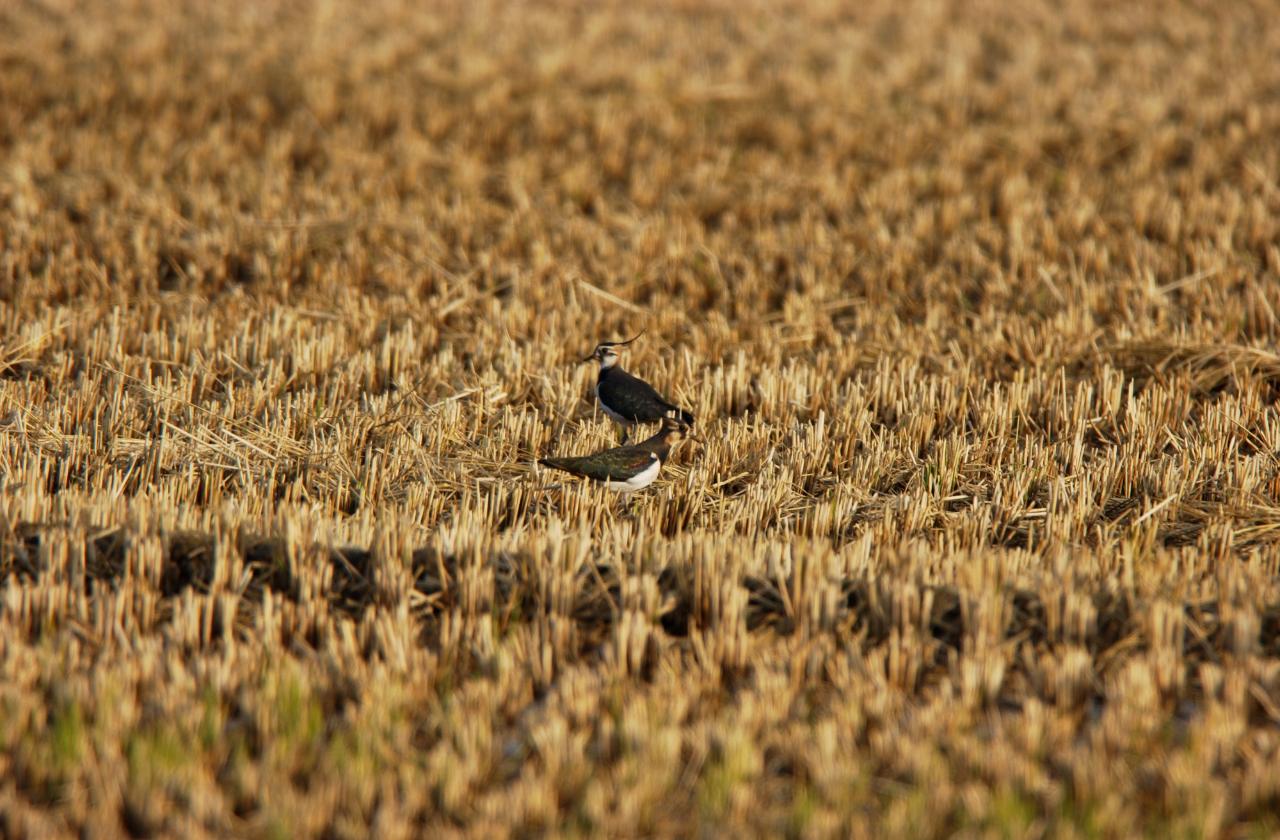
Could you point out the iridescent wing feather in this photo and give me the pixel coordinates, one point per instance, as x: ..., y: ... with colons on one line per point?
x: 617, y: 464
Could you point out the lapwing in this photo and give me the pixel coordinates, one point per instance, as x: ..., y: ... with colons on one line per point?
x: 628, y: 399
x: 626, y: 468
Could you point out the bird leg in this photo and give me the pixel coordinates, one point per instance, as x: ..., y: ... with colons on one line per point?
x: 626, y: 433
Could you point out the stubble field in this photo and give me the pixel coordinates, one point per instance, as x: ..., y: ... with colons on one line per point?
x: 975, y: 304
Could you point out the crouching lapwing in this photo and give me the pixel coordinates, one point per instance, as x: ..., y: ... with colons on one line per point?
x: 628, y: 399
x: 626, y: 468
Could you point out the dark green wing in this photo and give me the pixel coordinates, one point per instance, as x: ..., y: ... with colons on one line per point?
x: 611, y: 465
x: 632, y: 397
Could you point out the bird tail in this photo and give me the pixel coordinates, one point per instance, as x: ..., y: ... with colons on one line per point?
x: 553, y: 463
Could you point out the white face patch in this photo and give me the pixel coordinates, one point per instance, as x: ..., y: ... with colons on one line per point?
x: 608, y: 359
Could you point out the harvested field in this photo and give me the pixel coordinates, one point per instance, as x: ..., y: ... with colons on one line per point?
x: 975, y: 303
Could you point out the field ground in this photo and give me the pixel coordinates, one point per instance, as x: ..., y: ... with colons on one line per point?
x: 976, y: 305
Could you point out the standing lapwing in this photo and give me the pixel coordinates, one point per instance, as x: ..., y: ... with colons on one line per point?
x: 626, y: 398
x: 626, y: 468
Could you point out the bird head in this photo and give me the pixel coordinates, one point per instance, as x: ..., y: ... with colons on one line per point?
x: 606, y: 352
x: 675, y: 430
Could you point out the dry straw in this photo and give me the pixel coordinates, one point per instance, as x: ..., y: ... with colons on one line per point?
x: 975, y: 304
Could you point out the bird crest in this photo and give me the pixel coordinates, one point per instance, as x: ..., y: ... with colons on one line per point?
x: 606, y: 352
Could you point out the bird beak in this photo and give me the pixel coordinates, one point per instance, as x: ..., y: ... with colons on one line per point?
x: 588, y: 358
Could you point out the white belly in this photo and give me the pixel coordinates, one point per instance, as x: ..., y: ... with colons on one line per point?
x: 638, y: 481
